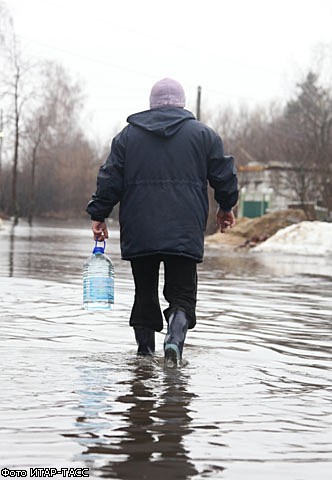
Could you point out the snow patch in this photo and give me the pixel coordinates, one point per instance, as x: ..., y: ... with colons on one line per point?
x: 304, y: 238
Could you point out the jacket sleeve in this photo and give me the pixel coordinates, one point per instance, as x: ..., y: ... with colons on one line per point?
x: 109, y: 181
x: 222, y: 176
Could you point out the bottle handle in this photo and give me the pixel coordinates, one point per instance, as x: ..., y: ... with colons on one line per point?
x: 99, y: 249
x: 96, y: 243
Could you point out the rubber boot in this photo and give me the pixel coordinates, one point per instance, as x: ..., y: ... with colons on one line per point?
x: 145, y: 340
x: 175, y: 337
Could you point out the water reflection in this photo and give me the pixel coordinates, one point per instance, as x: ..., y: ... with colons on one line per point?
x: 44, y: 250
x: 55, y: 250
x: 11, y: 250
x: 228, y: 263
x: 142, y: 432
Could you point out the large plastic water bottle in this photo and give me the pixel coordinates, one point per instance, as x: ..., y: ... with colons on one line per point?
x: 98, y: 281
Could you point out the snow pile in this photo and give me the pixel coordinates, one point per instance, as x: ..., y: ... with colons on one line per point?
x: 304, y: 238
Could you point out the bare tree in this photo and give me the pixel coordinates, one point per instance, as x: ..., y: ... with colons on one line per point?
x: 18, y: 94
x: 62, y: 159
x: 36, y: 136
x: 50, y: 162
x: 6, y: 28
x: 303, y: 142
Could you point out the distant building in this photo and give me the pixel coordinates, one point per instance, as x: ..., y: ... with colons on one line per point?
x: 263, y: 189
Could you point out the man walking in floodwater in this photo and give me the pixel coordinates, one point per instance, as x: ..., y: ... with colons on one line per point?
x: 158, y: 169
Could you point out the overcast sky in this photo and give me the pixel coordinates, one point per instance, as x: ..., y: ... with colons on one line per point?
x: 239, y: 51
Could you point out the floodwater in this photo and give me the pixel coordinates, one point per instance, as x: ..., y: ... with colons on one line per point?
x: 254, y: 400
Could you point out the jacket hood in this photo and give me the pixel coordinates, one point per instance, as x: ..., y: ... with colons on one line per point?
x: 163, y: 122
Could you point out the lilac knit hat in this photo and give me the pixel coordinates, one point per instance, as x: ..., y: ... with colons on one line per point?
x: 167, y: 92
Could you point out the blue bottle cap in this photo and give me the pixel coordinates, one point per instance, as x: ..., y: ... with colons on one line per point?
x: 97, y: 250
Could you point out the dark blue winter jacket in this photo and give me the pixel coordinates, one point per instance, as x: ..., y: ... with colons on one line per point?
x: 158, y: 170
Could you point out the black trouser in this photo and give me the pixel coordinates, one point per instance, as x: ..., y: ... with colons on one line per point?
x: 180, y: 289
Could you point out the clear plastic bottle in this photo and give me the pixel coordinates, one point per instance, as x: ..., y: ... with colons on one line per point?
x: 98, y: 281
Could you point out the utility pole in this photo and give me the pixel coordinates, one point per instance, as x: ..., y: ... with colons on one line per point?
x: 198, y: 103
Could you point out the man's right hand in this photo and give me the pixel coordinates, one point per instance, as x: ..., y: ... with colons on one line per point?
x: 100, y: 232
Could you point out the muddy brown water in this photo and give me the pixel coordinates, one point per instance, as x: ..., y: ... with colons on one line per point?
x: 254, y: 400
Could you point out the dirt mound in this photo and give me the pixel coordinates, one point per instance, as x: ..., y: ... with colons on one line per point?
x: 249, y: 232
